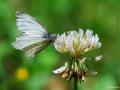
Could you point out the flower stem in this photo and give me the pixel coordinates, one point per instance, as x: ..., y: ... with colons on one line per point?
x: 75, y: 84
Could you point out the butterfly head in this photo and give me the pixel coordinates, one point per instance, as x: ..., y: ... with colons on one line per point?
x: 52, y: 37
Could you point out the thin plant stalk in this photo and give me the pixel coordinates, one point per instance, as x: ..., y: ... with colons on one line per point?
x: 75, y: 84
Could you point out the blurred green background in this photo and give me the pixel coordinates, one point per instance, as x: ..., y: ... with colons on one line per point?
x: 17, y: 72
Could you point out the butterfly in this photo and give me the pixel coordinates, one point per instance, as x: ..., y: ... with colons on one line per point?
x: 33, y: 38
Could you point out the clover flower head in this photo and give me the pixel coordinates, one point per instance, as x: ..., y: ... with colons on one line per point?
x: 76, y: 43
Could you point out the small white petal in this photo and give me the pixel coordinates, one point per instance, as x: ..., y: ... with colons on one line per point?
x: 93, y: 72
x: 96, y: 40
x: 83, y: 60
x: 81, y: 33
x: 99, y: 45
x: 83, y: 78
x: 98, y: 57
x: 87, y: 49
x: 61, y: 69
x: 89, y: 33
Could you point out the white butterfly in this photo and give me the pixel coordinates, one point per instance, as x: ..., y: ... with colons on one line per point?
x: 33, y: 37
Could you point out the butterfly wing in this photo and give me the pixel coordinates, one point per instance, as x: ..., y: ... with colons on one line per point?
x: 32, y: 38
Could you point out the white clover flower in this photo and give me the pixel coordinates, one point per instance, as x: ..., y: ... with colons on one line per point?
x: 76, y: 43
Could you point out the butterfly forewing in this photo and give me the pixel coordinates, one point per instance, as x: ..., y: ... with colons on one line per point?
x: 28, y: 24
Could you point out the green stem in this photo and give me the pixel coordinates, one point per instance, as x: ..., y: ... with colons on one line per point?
x: 75, y: 84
